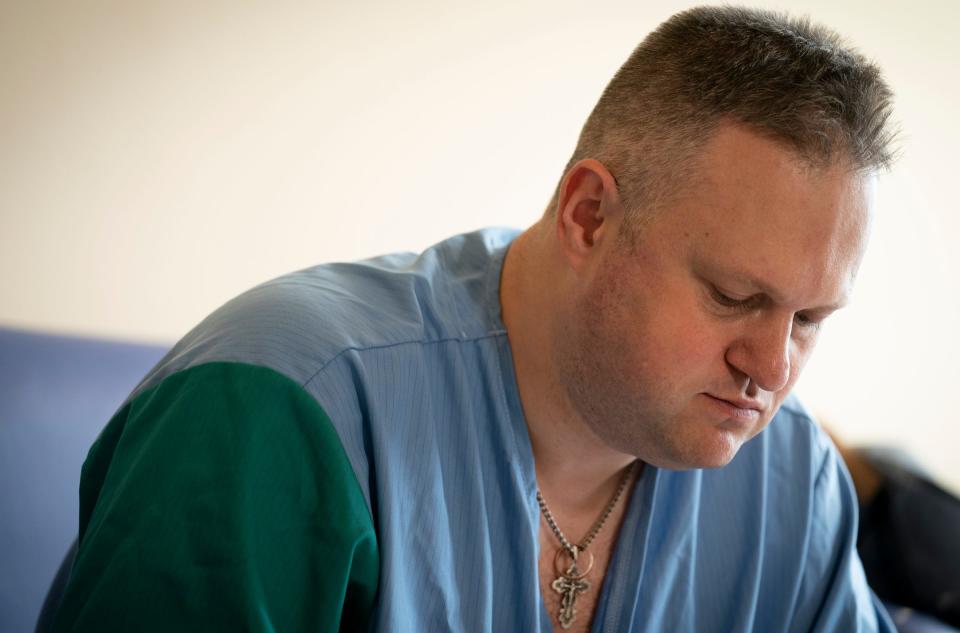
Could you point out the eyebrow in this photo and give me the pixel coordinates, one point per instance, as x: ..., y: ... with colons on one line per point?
x: 762, y: 287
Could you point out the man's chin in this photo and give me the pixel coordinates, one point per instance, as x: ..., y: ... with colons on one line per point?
x: 717, y: 452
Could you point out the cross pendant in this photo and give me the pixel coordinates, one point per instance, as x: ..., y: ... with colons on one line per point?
x: 569, y: 585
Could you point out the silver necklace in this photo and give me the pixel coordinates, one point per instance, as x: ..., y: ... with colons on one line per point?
x: 571, y: 581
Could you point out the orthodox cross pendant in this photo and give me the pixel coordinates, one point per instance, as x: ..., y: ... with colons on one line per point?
x: 570, y: 584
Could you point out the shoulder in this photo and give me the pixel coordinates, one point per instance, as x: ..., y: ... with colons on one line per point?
x: 795, y: 437
x: 299, y: 322
x: 796, y: 479
x: 781, y: 472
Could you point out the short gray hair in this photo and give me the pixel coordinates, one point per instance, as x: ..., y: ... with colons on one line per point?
x: 786, y: 78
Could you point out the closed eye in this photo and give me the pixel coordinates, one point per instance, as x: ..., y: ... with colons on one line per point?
x: 726, y: 300
x: 806, y: 321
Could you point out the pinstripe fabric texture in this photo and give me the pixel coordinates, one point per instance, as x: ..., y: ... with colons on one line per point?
x: 409, y: 358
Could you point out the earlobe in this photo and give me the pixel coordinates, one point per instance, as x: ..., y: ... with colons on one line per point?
x: 586, y: 209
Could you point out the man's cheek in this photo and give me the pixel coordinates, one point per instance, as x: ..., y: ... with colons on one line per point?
x: 688, y: 348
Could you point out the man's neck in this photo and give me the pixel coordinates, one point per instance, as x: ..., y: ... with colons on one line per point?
x: 576, y: 472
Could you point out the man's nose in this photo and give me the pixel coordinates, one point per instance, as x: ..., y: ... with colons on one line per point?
x: 762, y: 352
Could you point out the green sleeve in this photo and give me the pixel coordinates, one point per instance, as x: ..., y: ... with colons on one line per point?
x: 221, y: 500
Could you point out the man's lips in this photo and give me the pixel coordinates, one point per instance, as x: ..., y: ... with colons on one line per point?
x: 741, y: 403
x: 740, y: 408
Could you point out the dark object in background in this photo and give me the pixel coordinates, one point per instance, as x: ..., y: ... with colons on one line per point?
x: 909, y: 539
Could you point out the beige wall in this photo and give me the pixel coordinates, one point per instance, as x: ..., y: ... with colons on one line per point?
x: 157, y: 158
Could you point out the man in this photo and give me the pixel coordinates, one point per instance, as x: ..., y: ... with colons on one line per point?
x: 560, y: 429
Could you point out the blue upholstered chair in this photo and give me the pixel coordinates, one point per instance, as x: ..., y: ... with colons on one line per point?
x: 56, y: 393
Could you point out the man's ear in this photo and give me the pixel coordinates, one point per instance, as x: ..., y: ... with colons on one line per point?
x: 588, y: 209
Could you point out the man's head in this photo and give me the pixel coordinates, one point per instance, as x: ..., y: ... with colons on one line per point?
x: 713, y: 216
x: 790, y: 80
